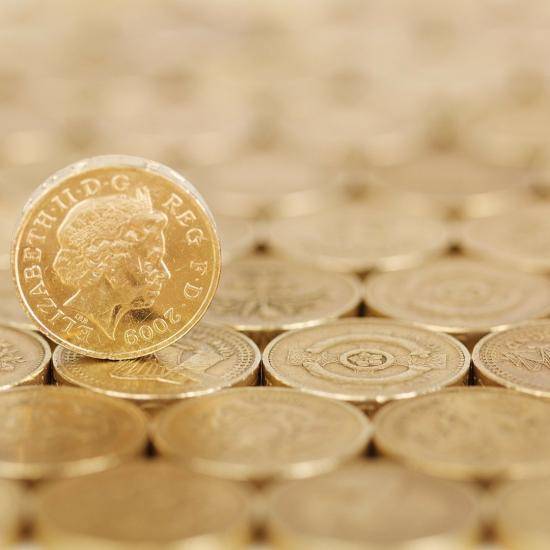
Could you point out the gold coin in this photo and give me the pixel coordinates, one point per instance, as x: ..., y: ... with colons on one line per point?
x: 468, y: 433
x: 366, y: 361
x: 116, y: 257
x: 24, y: 357
x: 359, y: 238
x: 457, y: 185
x: 521, y: 515
x: 11, y: 504
x: 463, y: 297
x: 261, y: 433
x: 152, y: 504
x: 520, y: 240
x: 11, y: 310
x: 373, y: 505
x: 517, y: 358
x: 208, y: 358
x: 263, y: 297
x: 48, y: 432
x: 237, y: 236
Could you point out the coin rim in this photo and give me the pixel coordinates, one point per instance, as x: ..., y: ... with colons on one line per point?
x: 274, y: 376
x: 245, y: 472
x: 115, y: 162
x: 456, y: 470
x: 252, y: 372
x: 35, y: 471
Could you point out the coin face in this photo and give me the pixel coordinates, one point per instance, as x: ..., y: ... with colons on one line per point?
x: 24, y: 357
x: 11, y: 498
x: 366, y: 361
x: 264, y: 296
x: 518, y: 358
x: 237, y: 236
x: 521, y: 240
x: 521, y: 514
x: 151, y: 503
x: 116, y: 257
x: 376, y: 505
x: 11, y: 310
x: 468, y: 433
x: 49, y: 432
x: 358, y: 238
x: 459, y: 296
x: 261, y: 433
x: 210, y: 357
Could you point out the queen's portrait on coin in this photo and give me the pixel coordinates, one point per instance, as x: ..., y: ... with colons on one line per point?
x: 111, y: 254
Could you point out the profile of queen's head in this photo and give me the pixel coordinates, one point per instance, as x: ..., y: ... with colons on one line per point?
x: 111, y: 255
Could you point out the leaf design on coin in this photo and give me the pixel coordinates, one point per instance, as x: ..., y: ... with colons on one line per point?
x: 9, y: 357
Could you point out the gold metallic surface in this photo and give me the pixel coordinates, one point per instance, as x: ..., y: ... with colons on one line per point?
x: 485, y: 434
x: 521, y: 515
x: 371, y: 506
x: 520, y: 239
x: 366, y: 361
x: 263, y: 297
x: 11, y: 310
x: 261, y: 434
x: 116, y: 257
x: 359, y: 238
x: 145, y: 504
x: 48, y: 432
x: 467, y: 298
x: 517, y: 358
x: 24, y: 358
x: 11, y: 508
x: 208, y: 358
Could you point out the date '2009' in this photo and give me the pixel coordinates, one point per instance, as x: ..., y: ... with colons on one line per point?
x: 146, y: 332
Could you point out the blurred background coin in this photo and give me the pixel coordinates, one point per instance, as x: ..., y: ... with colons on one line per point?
x: 261, y: 434
x: 521, y: 511
x: 238, y: 237
x: 116, y: 257
x: 520, y: 239
x: 484, y: 434
x: 144, y: 503
x: 373, y: 505
x: 264, y: 296
x: 11, y: 512
x: 463, y: 297
x: 517, y: 358
x: 24, y: 358
x: 366, y: 361
x: 359, y: 238
x: 208, y: 358
x: 11, y: 310
x: 49, y: 432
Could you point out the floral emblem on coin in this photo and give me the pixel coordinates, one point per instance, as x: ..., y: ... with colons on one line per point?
x: 112, y: 255
x: 9, y: 357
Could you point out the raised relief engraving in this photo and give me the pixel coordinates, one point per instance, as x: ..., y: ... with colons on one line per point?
x: 10, y: 357
x: 531, y: 355
x: 111, y: 254
x: 367, y: 364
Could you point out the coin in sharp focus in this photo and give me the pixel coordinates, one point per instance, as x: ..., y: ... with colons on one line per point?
x: 456, y: 184
x: 261, y: 434
x: 517, y: 358
x: 11, y: 310
x: 24, y: 357
x: 521, y: 239
x: 263, y: 297
x: 459, y: 296
x: 208, y: 358
x: 11, y: 509
x: 116, y: 257
x: 373, y: 505
x: 485, y: 434
x: 49, y: 432
x: 238, y: 237
x: 148, y: 503
x: 521, y: 514
x: 366, y: 361
x: 359, y: 238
